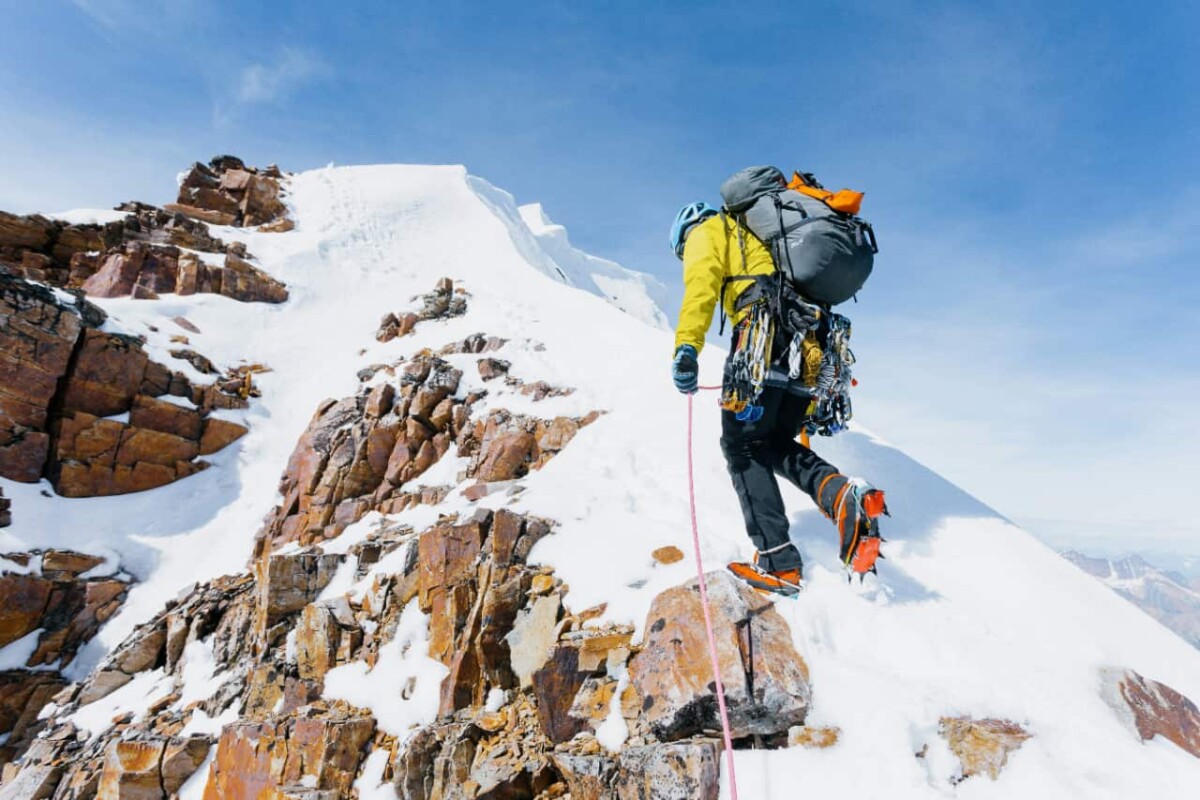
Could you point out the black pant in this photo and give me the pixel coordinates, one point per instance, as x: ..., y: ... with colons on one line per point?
x: 755, y: 453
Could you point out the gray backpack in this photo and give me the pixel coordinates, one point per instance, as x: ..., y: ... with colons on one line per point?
x: 827, y: 254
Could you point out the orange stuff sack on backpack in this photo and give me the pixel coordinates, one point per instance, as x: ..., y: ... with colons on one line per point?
x: 846, y: 201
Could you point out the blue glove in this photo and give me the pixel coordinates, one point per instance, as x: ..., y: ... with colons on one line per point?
x: 685, y: 370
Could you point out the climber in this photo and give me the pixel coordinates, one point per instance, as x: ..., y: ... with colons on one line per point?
x: 722, y: 261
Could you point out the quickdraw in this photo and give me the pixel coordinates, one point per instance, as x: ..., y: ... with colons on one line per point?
x: 749, y: 363
x: 834, y: 379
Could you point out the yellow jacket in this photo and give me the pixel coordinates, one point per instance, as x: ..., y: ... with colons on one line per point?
x: 712, y: 254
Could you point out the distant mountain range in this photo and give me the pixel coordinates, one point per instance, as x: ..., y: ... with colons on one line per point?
x: 1171, y: 597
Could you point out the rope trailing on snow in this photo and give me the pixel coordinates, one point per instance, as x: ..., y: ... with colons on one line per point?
x: 708, y: 626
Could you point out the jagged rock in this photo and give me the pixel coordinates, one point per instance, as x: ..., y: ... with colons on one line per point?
x: 507, y: 457
x: 555, y: 686
x: 5, y: 510
x: 981, y: 745
x: 765, y: 679
x: 66, y: 564
x: 491, y: 368
x: 132, y: 771
x: 67, y: 609
x: 290, y: 582
x: 587, y: 777
x: 326, y: 636
x: 227, y: 192
x: 680, y: 771
x: 1153, y: 709
x: 24, y: 232
x: 181, y: 758
x: 23, y: 600
x: 101, y: 684
x: 32, y: 783
x: 37, y: 337
x: 219, y: 434
x: 22, y: 696
x: 159, y: 415
x: 532, y: 639
x: 322, y: 751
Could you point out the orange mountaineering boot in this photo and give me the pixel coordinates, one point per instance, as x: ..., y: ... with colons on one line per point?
x: 783, y: 582
x: 855, y: 506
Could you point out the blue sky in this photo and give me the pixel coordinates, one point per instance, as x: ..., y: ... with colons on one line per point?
x: 1031, y: 168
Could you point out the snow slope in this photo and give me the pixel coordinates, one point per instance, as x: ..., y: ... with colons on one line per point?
x: 970, y: 615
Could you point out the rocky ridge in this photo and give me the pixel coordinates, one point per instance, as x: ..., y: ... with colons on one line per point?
x: 265, y: 683
x: 528, y: 683
x: 153, y: 251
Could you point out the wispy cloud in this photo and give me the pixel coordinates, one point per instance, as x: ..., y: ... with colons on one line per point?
x: 114, y: 15
x: 271, y: 82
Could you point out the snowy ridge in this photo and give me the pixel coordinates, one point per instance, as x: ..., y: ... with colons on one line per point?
x: 970, y: 614
x: 636, y: 293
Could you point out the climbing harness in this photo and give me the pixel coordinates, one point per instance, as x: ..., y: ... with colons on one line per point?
x: 708, y: 627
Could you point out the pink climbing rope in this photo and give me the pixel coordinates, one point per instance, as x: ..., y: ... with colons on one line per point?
x: 708, y: 626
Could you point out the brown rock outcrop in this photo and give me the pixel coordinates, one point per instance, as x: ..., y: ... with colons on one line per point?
x: 442, y: 303
x: 765, y: 679
x: 227, y: 192
x: 65, y: 611
x: 1153, y: 709
x: 360, y: 453
x: 5, y: 510
x: 982, y: 746
x: 320, y: 751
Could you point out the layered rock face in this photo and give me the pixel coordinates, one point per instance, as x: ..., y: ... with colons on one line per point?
x: 63, y: 381
x: 49, y: 609
x: 227, y: 192
x: 145, y: 271
x: 152, y: 251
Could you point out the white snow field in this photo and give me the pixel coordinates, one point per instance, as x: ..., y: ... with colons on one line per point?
x: 969, y: 614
